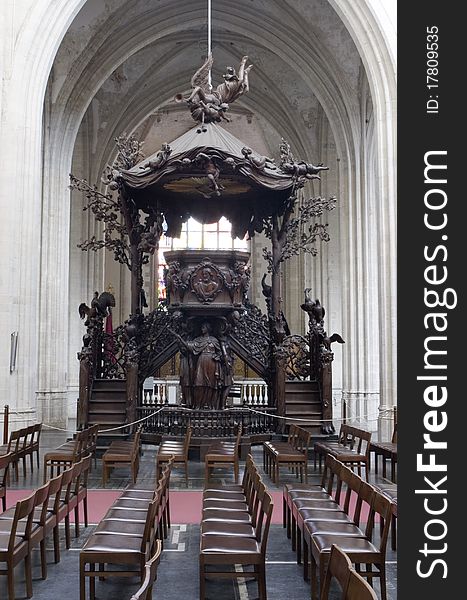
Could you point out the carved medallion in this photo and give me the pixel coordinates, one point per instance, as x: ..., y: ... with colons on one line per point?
x: 207, y: 281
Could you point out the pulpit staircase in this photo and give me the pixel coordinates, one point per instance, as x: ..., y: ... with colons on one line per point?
x: 303, y: 401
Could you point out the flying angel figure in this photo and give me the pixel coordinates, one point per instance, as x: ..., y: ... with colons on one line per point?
x: 209, y: 106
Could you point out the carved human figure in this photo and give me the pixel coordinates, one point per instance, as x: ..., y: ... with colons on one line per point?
x: 206, y: 286
x: 206, y: 373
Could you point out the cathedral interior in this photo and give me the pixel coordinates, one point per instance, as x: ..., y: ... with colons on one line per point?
x: 155, y: 153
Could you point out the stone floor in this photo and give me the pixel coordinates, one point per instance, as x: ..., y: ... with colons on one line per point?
x: 178, y: 571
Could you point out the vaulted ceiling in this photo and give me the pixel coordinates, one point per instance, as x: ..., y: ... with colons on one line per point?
x: 122, y: 62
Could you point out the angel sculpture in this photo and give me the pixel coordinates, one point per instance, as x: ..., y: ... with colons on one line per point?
x: 209, y: 106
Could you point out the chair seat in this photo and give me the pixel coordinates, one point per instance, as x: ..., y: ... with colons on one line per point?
x: 126, y: 503
x: 113, y: 543
x: 288, y: 455
x: 223, y: 495
x: 220, y: 452
x: 231, y: 488
x: 5, y: 527
x: 225, y: 505
x: 323, y: 515
x: 113, y: 527
x: 117, y: 456
x: 137, y: 495
x: 350, y: 545
x: 333, y: 528
x: 5, y: 541
x: 318, y: 495
x: 213, y: 514
x: 326, y: 504
x: 290, y: 487
x: 213, y: 544
x: 122, y: 514
x: 227, y: 528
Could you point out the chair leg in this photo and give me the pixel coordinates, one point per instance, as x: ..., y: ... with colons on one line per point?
x: 85, y: 510
x: 236, y: 470
x: 382, y: 580
x: 314, y: 582
x: 262, y: 582
x: 202, y: 581
x: 67, y: 532
x: 284, y: 513
x: 43, y: 560
x: 299, y: 545
x: 11, y: 581
x: 28, y: 574
x: 56, y: 536
x: 77, y: 520
x: 305, y: 559
x: 92, y: 582
x: 82, y: 581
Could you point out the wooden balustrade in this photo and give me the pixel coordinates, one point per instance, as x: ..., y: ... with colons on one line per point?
x: 173, y: 420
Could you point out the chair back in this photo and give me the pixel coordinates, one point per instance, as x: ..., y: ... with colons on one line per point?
x: 264, y: 520
x: 186, y: 441
x: 55, y: 490
x: 24, y: 510
x: 339, y: 567
x: 68, y: 476
x: 145, y: 591
x: 37, y: 433
x: 15, y: 439
x: 353, y: 484
x: 382, y: 506
x: 238, y: 439
x: 359, y: 589
x: 41, y: 499
x: 4, y: 464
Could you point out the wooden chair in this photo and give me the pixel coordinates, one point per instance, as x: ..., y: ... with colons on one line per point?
x: 387, y: 451
x: 14, y: 548
x: 359, y: 550
x: 352, y: 584
x: 122, y: 550
x: 339, y: 568
x: 294, y: 454
x: 33, y: 446
x: 145, y: 591
x: 65, y: 455
x: 37, y: 532
x: 4, y: 465
x: 222, y: 454
x: 235, y: 550
x: 178, y: 450
x: 14, y: 448
x: 119, y: 455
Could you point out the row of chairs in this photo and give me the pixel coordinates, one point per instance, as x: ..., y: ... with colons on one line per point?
x: 21, y: 444
x: 83, y: 444
x: 352, y: 448
x: 293, y: 453
x: 317, y: 517
x: 234, y: 529
x: 28, y: 524
x: 131, y: 534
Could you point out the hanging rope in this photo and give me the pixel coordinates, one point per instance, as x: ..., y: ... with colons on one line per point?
x: 209, y: 41
x: 113, y: 428
x: 364, y: 418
